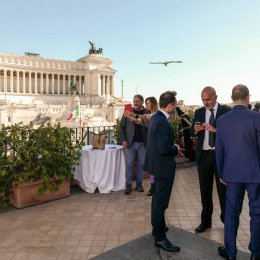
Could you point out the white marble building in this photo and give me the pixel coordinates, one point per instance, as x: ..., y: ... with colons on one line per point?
x: 33, y: 88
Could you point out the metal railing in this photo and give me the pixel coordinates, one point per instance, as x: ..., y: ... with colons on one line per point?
x: 86, y: 134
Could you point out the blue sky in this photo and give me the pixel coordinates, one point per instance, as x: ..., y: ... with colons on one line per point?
x: 217, y: 40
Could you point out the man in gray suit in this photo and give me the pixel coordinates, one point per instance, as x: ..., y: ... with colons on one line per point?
x: 133, y: 137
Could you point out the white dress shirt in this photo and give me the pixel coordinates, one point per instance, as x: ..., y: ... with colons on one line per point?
x: 206, y: 137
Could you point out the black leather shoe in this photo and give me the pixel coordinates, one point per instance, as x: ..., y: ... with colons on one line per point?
x: 128, y: 190
x: 223, y: 253
x: 255, y: 258
x: 202, y: 228
x: 167, y: 246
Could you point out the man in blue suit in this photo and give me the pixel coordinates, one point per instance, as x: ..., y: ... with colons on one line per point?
x: 160, y: 162
x: 238, y: 163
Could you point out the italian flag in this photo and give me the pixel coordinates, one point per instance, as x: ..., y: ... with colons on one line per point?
x: 75, y: 113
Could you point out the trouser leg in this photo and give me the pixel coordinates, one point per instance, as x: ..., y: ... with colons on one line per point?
x: 130, y: 154
x: 254, y: 211
x: 140, y: 162
x: 160, y: 202
x: 206, y: 175
x: 234, y: 202
x: 221, y: 189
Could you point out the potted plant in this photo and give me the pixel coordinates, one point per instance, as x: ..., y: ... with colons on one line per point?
x: 37, y: 163
x: 116, y: 135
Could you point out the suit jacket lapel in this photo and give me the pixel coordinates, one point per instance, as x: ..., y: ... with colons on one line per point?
x: 218, y: 114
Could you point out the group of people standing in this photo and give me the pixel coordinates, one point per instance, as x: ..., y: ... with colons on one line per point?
x: 227, y: 150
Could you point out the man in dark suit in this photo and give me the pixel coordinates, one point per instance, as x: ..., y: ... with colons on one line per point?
x: 238, y: 162
x: 160, y: 162
x: 133, y: 137
x: 204, y: 130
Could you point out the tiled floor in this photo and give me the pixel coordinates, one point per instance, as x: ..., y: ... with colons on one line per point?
x: 85, y: 225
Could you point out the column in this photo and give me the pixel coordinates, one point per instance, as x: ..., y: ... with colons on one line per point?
x: 112, y: 86
x: 80, y: 87
x: 18, y: 81
x: 47, y: 84
x: 108, y: 86
x: 84, y: 85
x: 30, y: 82
x: 64, y: 79
x: 41, y: 88
x: 105, y: 87
x: 52, y: 84
x: 5, y: 81
x: 24, y: 82
x: 35, y: 82
x: 11, y: 81
x: 58, y: 83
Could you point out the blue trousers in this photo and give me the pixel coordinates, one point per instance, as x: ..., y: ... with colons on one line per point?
x: 160, y: 202
x: 234, y: 202
x: 135, y: 152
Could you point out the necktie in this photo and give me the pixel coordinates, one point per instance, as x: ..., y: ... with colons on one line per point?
x: 211, y: 134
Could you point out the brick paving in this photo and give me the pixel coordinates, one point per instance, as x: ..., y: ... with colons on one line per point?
x: 84, y: 225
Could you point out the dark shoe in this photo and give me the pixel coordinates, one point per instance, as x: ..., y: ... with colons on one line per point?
x: 128, y: 190
x: 202, y: 228
x: 167, y: 246
x: 139, y: 187
x: 150, y: 192
x: 223, y: 253
x: 255, y: 258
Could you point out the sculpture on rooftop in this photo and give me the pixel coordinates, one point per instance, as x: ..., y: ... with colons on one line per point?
x: 94, y: 50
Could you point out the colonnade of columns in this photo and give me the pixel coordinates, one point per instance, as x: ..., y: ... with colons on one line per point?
x: 13, y: 81
x: 107, y: 85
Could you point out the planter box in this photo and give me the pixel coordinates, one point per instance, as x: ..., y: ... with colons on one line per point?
x: 26, y: 194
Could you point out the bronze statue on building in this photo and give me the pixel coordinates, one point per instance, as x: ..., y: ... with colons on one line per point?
x: 74, y: 87
x: 94, y: 50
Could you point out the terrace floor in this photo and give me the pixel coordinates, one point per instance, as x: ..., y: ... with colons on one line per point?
x: 85, y: 225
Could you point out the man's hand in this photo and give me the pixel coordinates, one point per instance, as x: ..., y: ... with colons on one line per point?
x: 198, y: 128
x: 125, y: 144
x: 209, y: 127
x: 181, y: 152
x: 127, y: 113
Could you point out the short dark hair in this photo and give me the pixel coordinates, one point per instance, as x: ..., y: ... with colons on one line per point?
x: 257, y: 105
x: 240, y: 92
x: 167, y: 98
x: 139, y: 97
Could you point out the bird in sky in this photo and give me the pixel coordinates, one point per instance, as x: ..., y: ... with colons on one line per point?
x: 165, y: 63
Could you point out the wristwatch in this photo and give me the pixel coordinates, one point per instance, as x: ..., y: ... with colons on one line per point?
x: 136, y: 116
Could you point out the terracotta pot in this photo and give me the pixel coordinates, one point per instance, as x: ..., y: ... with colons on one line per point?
x: 26, y: 194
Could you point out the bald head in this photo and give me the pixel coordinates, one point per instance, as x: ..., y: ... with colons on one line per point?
x: 209, y: 97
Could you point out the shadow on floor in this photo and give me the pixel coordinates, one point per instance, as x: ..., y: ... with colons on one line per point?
x: 192, y: 247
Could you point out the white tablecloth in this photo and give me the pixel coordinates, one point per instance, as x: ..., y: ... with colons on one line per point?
x: 102, y: 169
